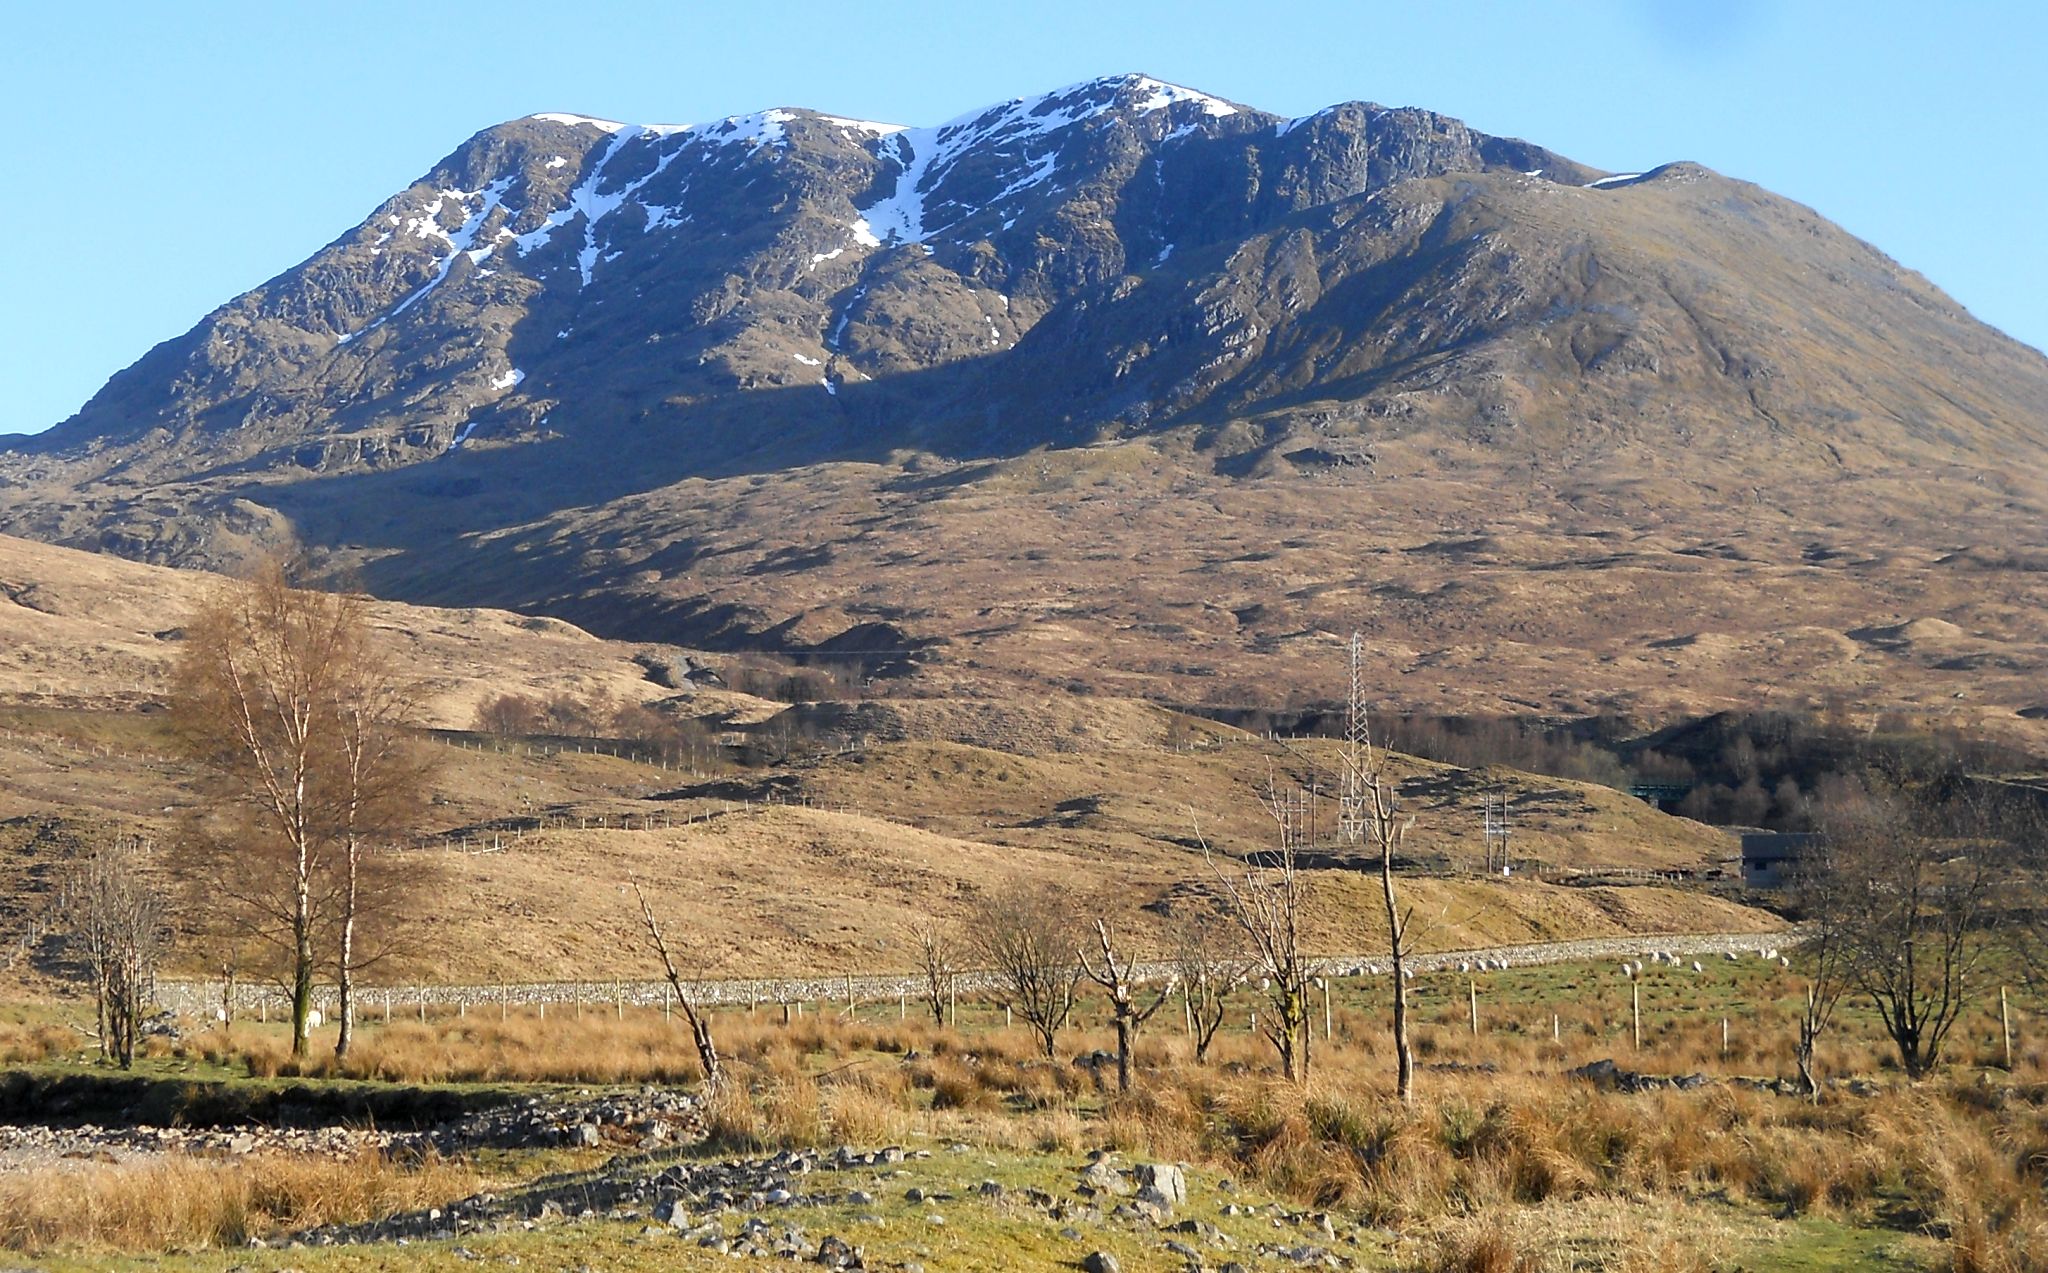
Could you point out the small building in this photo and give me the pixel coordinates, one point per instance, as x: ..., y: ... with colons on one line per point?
x: 1769, y: 858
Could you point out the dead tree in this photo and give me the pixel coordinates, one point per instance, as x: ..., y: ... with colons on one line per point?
x: 1824, y: 957
x: 699, y: 1021
x: 117, y: 916
x: 1209, y: 967
x: 935, y: 963
x: 1024, y: 937
x: 1121, y: 982
x: 1267, y: 903
x: 1370, y: 819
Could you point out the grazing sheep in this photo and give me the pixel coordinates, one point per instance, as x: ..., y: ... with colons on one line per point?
x: 1696, y: 966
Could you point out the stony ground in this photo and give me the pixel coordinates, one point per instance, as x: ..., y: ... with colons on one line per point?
x: 647, y: 1120
x: 815, y: 1206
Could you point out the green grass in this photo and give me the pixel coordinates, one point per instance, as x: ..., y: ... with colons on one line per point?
x: 1824, y: 1246
x: 983, y: 1234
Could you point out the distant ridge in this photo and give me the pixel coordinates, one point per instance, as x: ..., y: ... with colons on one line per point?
x: 1121, y: 383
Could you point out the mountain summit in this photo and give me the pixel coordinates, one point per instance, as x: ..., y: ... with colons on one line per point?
x: 521, y: 286
x: 762, y: 381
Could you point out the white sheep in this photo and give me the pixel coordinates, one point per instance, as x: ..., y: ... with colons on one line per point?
x: 1697, y: 967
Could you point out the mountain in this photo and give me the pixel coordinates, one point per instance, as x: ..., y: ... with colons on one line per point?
x: 1122, y: 385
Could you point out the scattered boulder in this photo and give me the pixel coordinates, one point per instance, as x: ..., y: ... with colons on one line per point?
x: 1102, y: 1176
x: 1168, y: 1180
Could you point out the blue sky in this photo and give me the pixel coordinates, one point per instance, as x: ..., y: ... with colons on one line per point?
x: 162, y: 158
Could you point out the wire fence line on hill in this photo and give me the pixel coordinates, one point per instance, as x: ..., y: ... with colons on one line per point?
x: 203, y: 998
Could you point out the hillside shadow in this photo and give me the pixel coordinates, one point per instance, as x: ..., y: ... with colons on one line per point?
x: 488, y: 486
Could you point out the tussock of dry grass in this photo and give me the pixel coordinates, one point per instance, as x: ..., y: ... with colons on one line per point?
x: 186, y: 1202
x: 29, y: 1044
x: 1963, y: 1160
x: 520, y: 1049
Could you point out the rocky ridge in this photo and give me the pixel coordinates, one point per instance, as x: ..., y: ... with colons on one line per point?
x: 789, y: 380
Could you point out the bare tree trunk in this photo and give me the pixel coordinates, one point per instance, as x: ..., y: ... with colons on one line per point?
x: 700, y: 1024
x: 345, y: 964
x: 1120, y: 981
x: 1404, y: 1053
x: 103, y: 994
x: 302, y: 965
x: 1803, y: 1057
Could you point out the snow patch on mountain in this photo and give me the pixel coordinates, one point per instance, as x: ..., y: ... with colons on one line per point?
x: 863, y: 125
x: 762, y: 128
x: 590, y: 201
x: 428, y: 226
x: 1029, y: 131
x: 1160, y: 95
x: 612, y: 125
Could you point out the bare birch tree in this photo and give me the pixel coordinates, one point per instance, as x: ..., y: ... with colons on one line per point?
x: 117, y: 916
x: 698, y: 1020
x: 1209, y: 965
x: 280, y: 698
x: 1824, y: 957
x: 1267, y: 902
x: 1121, y: 982
x: 1920, y: 875
x: 1024, y: 937
x: 255, y: 706
x: 935, y: 964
